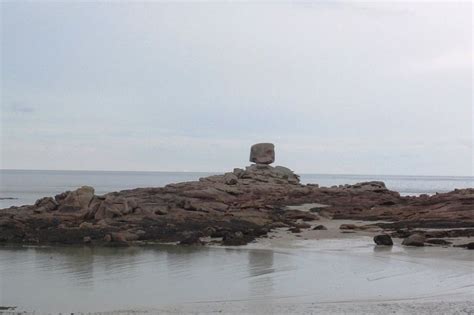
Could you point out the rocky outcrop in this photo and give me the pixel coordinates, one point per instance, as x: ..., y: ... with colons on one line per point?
x: 236, y: 207
x: 262, y: 153
x: 447, y: 210
x: 233, y: 209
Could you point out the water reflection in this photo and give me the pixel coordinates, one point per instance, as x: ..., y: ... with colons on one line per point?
x: 382, y: 249
x: 260, y: 265
x: 124, y: 278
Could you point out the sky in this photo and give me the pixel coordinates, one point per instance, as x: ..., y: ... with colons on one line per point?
x: 338, y: 87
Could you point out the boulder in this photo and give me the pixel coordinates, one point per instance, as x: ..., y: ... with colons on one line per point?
x: 112, y: 207
x: 77, y: 199
x: 191, y: 239
x: 230, y: 179
x: 348, y: 227
x: 383, y: 239
x: 234, y: 239
x: 295, y: 230
x: 47, y: 203
x: 262, y: 153
x: 414, y: 240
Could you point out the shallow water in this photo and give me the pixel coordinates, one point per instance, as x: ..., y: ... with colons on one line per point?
x: 83, y: 279
x: 28, y: 186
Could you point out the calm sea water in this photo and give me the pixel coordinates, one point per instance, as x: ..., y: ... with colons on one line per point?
x: 86, y: 279
x: 26, y: 186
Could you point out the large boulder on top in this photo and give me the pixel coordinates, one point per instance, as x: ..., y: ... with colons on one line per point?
x: 262, y: 153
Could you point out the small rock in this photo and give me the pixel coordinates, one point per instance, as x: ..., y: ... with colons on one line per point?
x: 87, y: 239
x: 193, y: 239
x: 230, y: 179
x: 468, y: 245
x: 348, y: 227
x: 238, y: 172
x: 124, y: 237
x: 414, y: 240
x: 108, y: 238
x: 295, y: 230
x: 320, y: 227
x: 234, y: 238
x: 383, y: 239
x: 209, y: 231
x: 438, y: 241
x: 301, y: 225
x: 86, y: 225
x: 303, y: 215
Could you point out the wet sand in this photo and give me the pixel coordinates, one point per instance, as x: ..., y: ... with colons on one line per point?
x: 428, y: 260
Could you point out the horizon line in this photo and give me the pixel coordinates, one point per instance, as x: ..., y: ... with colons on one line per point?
x: 219, y: 172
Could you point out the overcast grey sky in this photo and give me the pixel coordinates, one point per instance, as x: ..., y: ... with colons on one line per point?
x: 339, y: 87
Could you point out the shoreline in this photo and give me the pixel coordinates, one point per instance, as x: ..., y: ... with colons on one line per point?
x: 356, y: 249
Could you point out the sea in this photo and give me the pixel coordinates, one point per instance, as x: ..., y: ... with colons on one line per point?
x: 297, y: 278
x: 20, y: 187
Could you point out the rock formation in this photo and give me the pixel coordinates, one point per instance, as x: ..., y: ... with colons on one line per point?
x: 233, y: 208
